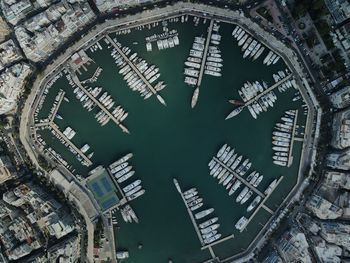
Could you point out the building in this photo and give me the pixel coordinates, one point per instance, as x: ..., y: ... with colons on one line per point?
x: 105, y: 6
x: 341, y: 129
x: 293, y: 247
x: 12, y: 82
x: 337, y: 180
x: 29, y: 219
x: 322, y: 208
x: 9, y: 53
x: 7, y: 170
x: 43, y: 33
x: 341, y: 99
x: 339, y: 160
x: 339, y: 9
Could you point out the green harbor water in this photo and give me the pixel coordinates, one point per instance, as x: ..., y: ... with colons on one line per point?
x: 178, y: 142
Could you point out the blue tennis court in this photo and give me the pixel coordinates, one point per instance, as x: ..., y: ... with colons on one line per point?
x: 97, y: 189
x: 109, y: 202
x: 106, y: 184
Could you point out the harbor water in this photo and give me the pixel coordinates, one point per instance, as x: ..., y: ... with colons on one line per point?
x: 178, y: 142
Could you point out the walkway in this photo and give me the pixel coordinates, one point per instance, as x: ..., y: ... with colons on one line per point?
x: 136, y: 71
x: 290, y: 157
x: 205, y: 52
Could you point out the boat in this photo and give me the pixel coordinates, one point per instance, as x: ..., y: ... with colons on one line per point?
x: 195, y: 207
x: 254, y: 203
x: 242, y: 194
x: 123, y: 171
x: 121, y: 160
x: 241, y: 223
x: 234, y: 112
x: 204, y: 213
x: 270, y: 187
x: 125, y: 177
x: 246, y: 197
x: 210, y: 228
x: 236, y: 162
x: 236, y: 185
x: 221, y: 151
x: 195, y: 97
x: 136, y: 195
x: 131, y: 186
x: 212, y: 239
x: 208, y: 222
x: 258, y: 181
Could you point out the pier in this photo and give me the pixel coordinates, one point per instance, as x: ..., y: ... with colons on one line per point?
x: 55, y: 110
x: 290, y: 157
x: 95, y: 75
x: 99, y: 104
x: 135, y: 69
x: 251, y: 187
x: 205, y: 53
x: 262, y: 205
x: 119, y: 189
x: 217, y: 242
x: 189, y: 212
x: 267, y: 90
x: 55, y: 128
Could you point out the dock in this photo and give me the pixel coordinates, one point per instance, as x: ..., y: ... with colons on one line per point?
x: 55, y: 110
x: 95, y: 75
x: 205, y: 53
x: 99, y: 104
x: 189, y: 212
x: 118, y: 187
x: 55, y: 127
x: 290, y: 157
x: 269, y: 89
x: 218, y: 242
x: 136, y: 70
x: 262, y: 205
x: 251, y: 187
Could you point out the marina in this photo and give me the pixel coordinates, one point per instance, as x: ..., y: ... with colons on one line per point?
x: 176, y: 141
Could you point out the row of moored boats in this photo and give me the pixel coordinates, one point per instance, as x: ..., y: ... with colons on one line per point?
x: 208, y: 228
x: 282, y: 138
x: 150, y: 73
x: 226, y: 168
x: 122, y: 172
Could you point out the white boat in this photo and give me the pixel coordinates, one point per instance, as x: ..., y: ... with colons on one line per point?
x: 254, y: 203
x: 235, y: 186
x: 204, y: 213
x: 221, y: 151
x: 208, y: 222
x: 195, y: 97
x: 234, y: 112
x: 270, y: 187
x: 241, y: 223
x: 242, y: 194
x: 246, y: 197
